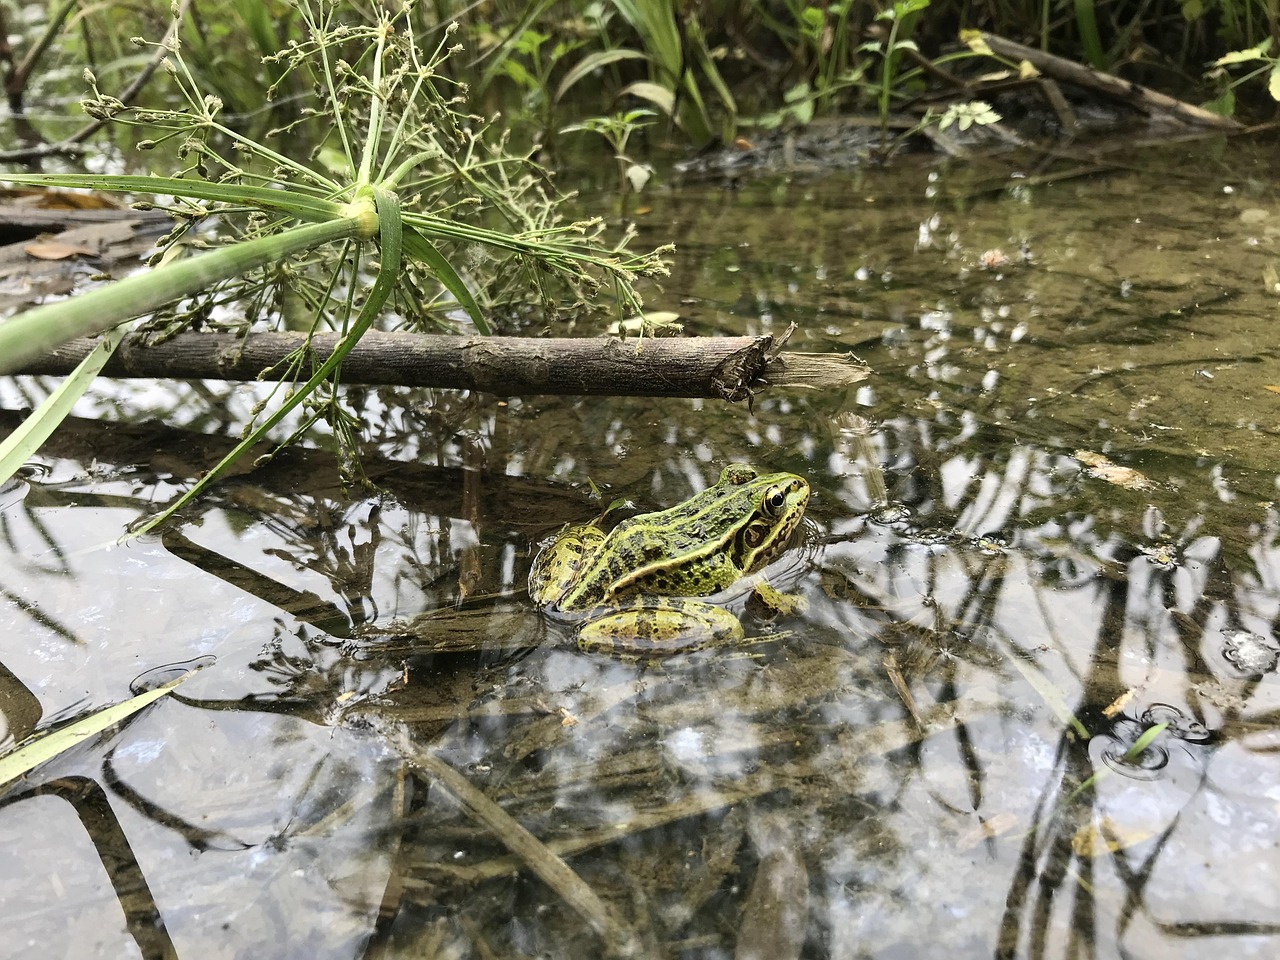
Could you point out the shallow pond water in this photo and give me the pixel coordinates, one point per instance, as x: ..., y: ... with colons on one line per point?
x: 1030, y: 709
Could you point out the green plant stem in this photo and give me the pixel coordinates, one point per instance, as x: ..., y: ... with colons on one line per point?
x: 365, y: 173
x: 390, y: 235
x: 292, y: 203
x: 36, y: 332
x: 886, y: 80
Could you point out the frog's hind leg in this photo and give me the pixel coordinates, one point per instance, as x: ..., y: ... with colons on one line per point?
x: 650, y: 628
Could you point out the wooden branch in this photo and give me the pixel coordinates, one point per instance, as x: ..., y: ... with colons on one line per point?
x: 727, y: 368
x: 1144, y: 98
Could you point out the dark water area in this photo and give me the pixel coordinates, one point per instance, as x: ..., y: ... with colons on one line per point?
x: 1030, y: 709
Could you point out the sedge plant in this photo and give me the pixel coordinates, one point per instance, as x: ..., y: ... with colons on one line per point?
x: 401, y: 187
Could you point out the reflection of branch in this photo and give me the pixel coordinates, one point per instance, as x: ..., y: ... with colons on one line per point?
x: 44, y: 619
x: 302, y: 604
x: 801, y: 778
x: 22, y: 710
x: 16, y: 82
x: 195, y: 835
x: 1042, y: 864
x: 143, y: 918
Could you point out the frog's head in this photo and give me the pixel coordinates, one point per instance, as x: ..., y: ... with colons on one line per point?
x: 777, y: 504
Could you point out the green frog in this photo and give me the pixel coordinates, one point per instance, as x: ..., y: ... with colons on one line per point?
x: 634, y: 589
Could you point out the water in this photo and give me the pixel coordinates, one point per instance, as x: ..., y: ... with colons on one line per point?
x: 938, y: 758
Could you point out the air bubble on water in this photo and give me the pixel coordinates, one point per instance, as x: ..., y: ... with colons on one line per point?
x: 1179, y: 724
x: 891, y: 513
x: 159, y: 676
x: 1250, y: 653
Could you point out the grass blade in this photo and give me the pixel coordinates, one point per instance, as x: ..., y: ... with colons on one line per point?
x: 19, y: 446
x: 27, y: 758
x: 1087, y: 24
x: 301, y: 206
x: 420, y: 248
x: 591, y: 63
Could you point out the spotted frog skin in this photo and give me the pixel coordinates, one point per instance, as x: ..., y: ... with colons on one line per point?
x: 633, y: 590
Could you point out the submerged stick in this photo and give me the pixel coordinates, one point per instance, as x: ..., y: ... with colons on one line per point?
x: 802, y: 779
x: 728, y: 368
x: 553, y: 871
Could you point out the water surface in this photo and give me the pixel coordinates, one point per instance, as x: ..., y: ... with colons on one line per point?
x: 936, y: 758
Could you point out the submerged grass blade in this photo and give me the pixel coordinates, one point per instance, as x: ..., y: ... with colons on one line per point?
x: 390, y: 243
x: 19, y: 446
x: 1054, y: 698
x: 27, y: 758
x: 35, y: 332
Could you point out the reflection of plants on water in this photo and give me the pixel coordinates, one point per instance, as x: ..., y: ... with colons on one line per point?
x: 89, y: 801
x: 997, y: 576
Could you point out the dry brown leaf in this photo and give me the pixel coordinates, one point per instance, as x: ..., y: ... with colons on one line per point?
x: 1272, y: 387
x: 1095, y: 839
x: 60, y: 200
x: 56, y: 250
x: 1103, y: 469
x: 1119, y: 703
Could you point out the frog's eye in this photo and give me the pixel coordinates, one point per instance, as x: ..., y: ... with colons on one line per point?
x: 774, y: 500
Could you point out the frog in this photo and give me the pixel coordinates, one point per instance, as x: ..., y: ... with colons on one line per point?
x: 637, y: 590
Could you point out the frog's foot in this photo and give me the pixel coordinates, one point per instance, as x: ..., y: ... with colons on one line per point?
x: 654, y: 627
x: 769, y: 603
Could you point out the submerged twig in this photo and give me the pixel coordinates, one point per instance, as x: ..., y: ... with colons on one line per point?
x: 553, y: 871
x: 802, y: 779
